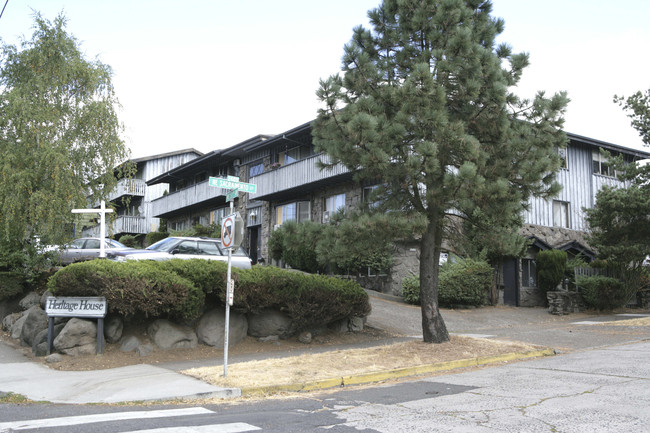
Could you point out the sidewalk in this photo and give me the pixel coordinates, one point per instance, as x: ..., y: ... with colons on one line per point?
x: 155, y: 383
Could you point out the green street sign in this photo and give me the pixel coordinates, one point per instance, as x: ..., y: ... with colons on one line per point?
x: 244, y: 187
x: 232, y: 195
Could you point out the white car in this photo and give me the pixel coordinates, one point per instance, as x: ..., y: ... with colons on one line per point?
x: 185, y: 248
x: 83, y: 249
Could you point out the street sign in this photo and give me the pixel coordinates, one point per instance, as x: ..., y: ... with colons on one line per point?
x: 219, y: 182
x: 232, y: 195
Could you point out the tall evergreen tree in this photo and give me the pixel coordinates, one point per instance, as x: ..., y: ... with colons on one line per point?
x: 59, y: 135
x: 423, y: 107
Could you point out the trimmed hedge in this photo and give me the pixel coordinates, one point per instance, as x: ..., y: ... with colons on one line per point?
x: 181, y: 287
x: 602, y: 293
x: 131, y: 288
x: 465, y: 283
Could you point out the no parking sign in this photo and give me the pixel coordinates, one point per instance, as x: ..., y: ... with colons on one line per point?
x: 232, y: 231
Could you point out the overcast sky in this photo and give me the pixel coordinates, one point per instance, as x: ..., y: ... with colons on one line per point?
x: 210, y: 74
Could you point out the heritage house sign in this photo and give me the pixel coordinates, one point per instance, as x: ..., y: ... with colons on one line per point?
x: 86, y: 307
x: 76, y: 307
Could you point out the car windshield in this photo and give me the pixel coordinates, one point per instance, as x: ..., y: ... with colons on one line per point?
x: 165, y: 245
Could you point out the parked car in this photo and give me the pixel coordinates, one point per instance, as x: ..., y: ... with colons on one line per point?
x: 86, y: 249
x: 175, y: 247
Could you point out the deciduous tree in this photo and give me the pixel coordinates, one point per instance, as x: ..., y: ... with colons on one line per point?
x: 423, y: 107
x: 59, y: 135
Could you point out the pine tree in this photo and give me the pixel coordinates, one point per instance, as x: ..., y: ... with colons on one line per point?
x: 423, y: 107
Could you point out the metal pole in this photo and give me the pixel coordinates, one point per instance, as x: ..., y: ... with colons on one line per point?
x: 228, y: 288
x: 102, y: 230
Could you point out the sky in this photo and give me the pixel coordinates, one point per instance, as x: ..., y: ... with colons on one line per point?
x: 210, y: 74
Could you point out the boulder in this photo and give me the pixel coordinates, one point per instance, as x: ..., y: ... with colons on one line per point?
x: 269, y: 322
x: 211, y: 328
x: 9, y: 320
x: 39, y: 346
x: 8, y: 307
x: 30, y: 300
x: 144, y: 349
x: 113, y: 327
x: 17, y: 327
x: 350, y: 324
x: 168, y: 335
x: 35, y: 322
x: 44, y: 298
x: 129, y: 343
x: 78, y: 337
x: 305, y: 337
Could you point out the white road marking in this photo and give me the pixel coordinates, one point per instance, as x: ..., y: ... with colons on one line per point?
x: 236, y: 427
x: 103, y: 417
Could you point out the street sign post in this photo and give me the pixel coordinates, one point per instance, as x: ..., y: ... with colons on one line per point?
x: 102, y: 211
x: 232, y: 233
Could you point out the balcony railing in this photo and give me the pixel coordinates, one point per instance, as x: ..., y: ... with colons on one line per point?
x: 122, y: 224
x: 295, y: 174
x: 134, y: 187
x: 186, y: 197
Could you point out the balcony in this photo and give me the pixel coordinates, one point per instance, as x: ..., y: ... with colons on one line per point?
x: 185, y: 198
x: 295, y: 177
x: 122, y: 224
x: 128, y: 187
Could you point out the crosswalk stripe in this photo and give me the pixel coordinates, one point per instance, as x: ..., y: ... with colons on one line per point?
x: 103, y: 417
x: 236, y: 427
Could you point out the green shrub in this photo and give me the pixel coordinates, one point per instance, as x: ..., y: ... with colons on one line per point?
x: 602, y: 293
x: 153, y: 237
x: 411, y: 289
x: 130, y: 288
x: 179, y: 288
x: 465, y: 283
x: 12, y: 284
x: 129, y: 241
x: 295, y: 243
x: 551, y: 269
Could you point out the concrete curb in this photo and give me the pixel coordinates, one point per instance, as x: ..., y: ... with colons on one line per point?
x: 397, y: 373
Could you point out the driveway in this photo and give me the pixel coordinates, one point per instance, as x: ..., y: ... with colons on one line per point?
x: 529, y: 325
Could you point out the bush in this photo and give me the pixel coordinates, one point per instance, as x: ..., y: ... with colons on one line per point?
x: 129, y: 241
x: 130, y: 288
x: 551, y: 269
x: 465, y: 283
x: 295, y: 243
x: 411, y: 289
x: 12, y: 284
x: 602, y: 293
x: 179, y: 288
x: 153, y: 237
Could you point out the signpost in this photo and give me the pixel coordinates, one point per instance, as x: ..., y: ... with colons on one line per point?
x: 102, y: 211
x: 87, y: 307
x: 231, y: 236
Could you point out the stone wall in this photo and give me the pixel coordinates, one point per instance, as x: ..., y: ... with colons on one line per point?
x: 564, y: 302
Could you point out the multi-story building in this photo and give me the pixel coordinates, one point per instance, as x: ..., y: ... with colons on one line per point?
x: 290, y: 186
x: 132, y: 197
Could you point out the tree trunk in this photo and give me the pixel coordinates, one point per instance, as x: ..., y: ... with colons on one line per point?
x: 433, y: 327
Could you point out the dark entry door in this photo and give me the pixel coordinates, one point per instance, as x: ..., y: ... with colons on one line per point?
x: 254, y: 241
x: 510, y: 282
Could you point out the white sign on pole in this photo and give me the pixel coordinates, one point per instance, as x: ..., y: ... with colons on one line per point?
x: 102, y: 211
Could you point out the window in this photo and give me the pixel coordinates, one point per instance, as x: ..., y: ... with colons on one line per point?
x: 561, y: 214
x: 254, y: 217
x: 601, y: 164
x: 332, y: 205
x: 297, y: 211
x: 208, y: 248
x: 255, y: 169
x: 563, y: 153
x: 292, y: 155
x: 217, y: 215
x: 367, y: 196
x: 528, y: 273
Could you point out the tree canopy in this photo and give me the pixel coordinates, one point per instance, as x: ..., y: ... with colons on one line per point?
x: 59, y: 134
x: 638, y: 108
x: 423, y: 108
